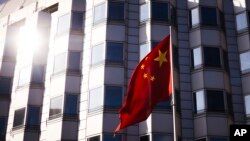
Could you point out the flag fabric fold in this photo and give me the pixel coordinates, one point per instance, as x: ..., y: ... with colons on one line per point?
x: 151, y: 82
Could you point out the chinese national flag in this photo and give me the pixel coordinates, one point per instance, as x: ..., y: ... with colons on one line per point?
x: 151, y: 83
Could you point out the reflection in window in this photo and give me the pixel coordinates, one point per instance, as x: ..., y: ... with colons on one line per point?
x: 144, y: 50
x: 241, y: 21
x: 74, y: 61
x: 208, y: 16
x: 96, y: 138
x: 195, y: 18
x: 99, y: 13
x: 95, y: 98
x: 97, y: 54
x: 33, y: 116
x: 160, y: 11
x: 144, y: 138
x: 215, y: 101
x: 60, y: 62
x: 3, y: 121
x: 37, y: 74
x: 247, y: 104
x: 114, y: 52
x: 19, y: 117
x: 71, y: 105
x: 55, y: 106
x: 5, y: 86
x: 244, y: 62
x: 144, y: 12
x: 63, y: 24
x: 113, y: 96
x: 197, y: 57
x: 24, y: 76
x: 199, y: 101
x: 77, y: 21
x: 116, y: 11
x: 212, y: 57
x: 111, y: 138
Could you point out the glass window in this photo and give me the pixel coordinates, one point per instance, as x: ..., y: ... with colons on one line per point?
x: 144, y: 50
x: 96, y: 138
x: 63, y: 23
x: 113, y: 96
x: 144, y: 138
x: 24, y: 76
x: 199, y: 100
x: 111, y: 138
x: 60, y: 63
x: 116, y: 11
x: 37, y: 74
x: 5, y: 85
x: 95, y: 98
x: 197, y: 57
x: 19, y: 117
x: 97, y: 54
x: 3, y: 121
x: 33, y: 116
x: 209, y: 16
x: 247, y: 104
x: 215, y: 101
x: 144, y: 12
x: 164, y: 105
x: 217, y: 139
x: 114, y: 52
x: 154, y: 44
x: 55, y: 106
x: 99, y: 13
x: 77, y: 21
x: 71, y: 105
x: 245, y: 61
x: 160, y: 11
x: 74, y: 61
x: 212, y: 57
x: 159, y: 137
x: 203, y: 139
x: 195, y: 18
x: 241, y: 21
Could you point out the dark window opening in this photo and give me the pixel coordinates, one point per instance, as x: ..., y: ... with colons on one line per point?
x: 160, y: 11
x: 116, y: 11
x: 208, y: 16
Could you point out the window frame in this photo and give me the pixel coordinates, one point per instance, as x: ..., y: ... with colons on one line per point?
x: 94, y: 138
x: 72, y: 21
x: 101, y: 94
x: 212, y: 65
x: 94, y: 55
x: 4, y: 121
x: 105, y: 96
x: 247, y: 21
x: 62, y: 108
x: 23, y: 118
x: 69, y: 61
x: 32, y: 74
x: 29, y: 125
x: 65, y: 105
x: 247, y: 101
x: 57, y: 71
x: 160, y: 19
x: 9, y: 86
x: 108, y: 11
x: 95, y: 22
x: 110, y: 61
x: 24, y: 70
x: 66, y: 29
x: 242, y: 62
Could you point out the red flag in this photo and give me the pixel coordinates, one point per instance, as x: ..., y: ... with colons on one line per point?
x: 151, y: 83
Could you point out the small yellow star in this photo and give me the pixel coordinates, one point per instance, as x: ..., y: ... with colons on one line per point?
x: 152, y: 78
x: 142, y: 66
x: 145, y: 75
x: 161, y: 58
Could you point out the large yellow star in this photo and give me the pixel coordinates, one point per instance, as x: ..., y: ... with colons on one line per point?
x: 161, y: 58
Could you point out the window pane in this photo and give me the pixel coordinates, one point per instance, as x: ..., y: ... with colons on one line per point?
x: 95, y: 98
x: 71, y: 105
x: 37, y: 74
x: 247, y: 104
x: 208, y: 16
x: 218, y: 139
x: 113, y: 96
x: 116, y: 11
x: 212, y: 57
x: 144, y: 138
x: 241, y: 21
x: 114, y: 52
x: 74, y: 61
x: 195, y: 19
x: 19, y: 117
x: 161, y: 138
x: 197, y: 57
x: 99, y: 13
x: 55, y: 106
x: 96, y: 138
x: 144, y: 50
x: 200, y: 101
x: 77, y: 21
x: 201, y: 139
x: 111, y: 138
x: 97, y: 54
x: 160, y: 11
x: 63, y: 24
x: 33, y: 116
x: 164, y: 105
x: 60, y: 63
x: 5, y: 86
x: 3, y: 121
x: 24, y: 76
x: 245, y: 61
x: 215, y: 101
x: 144, y: 12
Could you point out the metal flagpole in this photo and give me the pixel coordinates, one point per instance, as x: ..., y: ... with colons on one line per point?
x: 173, y: 90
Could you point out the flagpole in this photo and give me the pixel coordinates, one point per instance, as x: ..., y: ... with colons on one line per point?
x: 173, y: 89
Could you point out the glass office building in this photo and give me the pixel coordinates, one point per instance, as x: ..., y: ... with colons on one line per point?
x: 65, y: 67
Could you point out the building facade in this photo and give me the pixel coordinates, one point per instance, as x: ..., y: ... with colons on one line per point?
x: 65, y: 67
